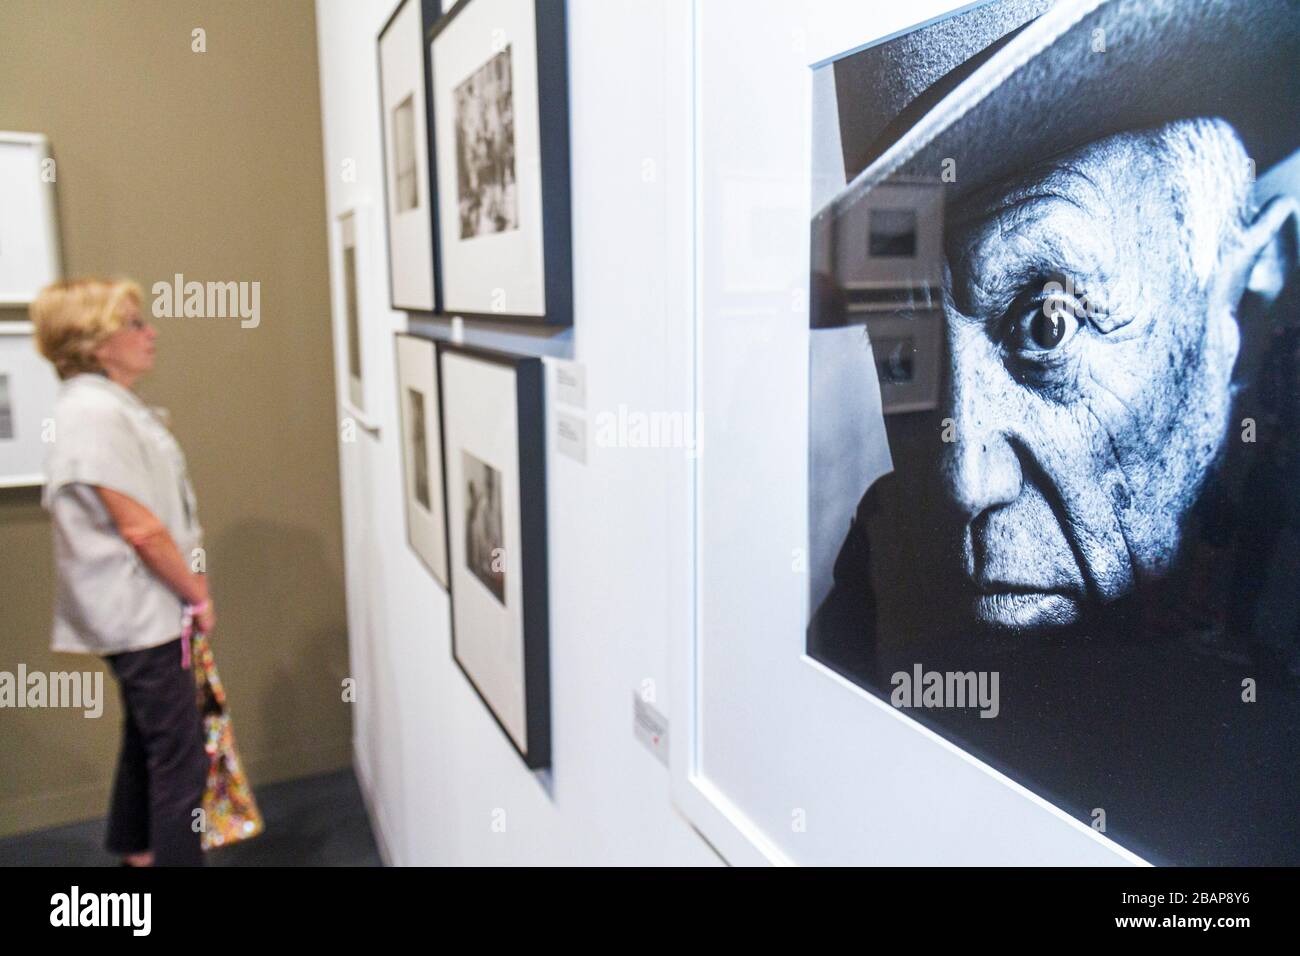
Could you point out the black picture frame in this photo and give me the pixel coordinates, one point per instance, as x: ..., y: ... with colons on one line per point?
x: 551, y: 19
x: 530, y: 412
x: 430, y: 11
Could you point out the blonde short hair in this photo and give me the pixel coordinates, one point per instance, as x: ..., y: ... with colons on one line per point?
x: 75, y: 316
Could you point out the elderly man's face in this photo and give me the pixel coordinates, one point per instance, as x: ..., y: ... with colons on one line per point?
x: 1081, y: 440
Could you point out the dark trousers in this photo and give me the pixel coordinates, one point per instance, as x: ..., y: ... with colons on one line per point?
x: 163, y: 766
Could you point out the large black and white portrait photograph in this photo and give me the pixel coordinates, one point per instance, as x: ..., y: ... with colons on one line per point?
x: 418, y: 402
x: 496, y: 533
x: 409, y: 200
x: 484, y: 544
x: 485, y: 150
x: 501, y: 160
x: 1096, y: 494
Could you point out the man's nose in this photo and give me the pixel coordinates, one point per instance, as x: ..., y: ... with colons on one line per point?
x: 980, y: 468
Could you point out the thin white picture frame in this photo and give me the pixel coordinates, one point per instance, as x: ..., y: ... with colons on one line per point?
x: 30, y: 253
x: 806, y: 777
x: 28, y: 390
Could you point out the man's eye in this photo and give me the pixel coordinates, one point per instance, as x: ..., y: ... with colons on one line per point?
x: 1044, y: 328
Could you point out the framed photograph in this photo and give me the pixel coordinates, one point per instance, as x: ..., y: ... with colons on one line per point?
x: 29, y: 230
x: 501, y: 160
x: 421, y: 415
x: 348, y: 244
x: 1096, y: 506
x: 907, y: 350
x: 410, y: 203
x: 495, y: 457
x: 28, y: 388
x: 887, y: 255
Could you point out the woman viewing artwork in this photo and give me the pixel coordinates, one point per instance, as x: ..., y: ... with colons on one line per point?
x: 125, y: 530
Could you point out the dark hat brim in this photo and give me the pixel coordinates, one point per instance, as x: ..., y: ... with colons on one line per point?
x: 1087, y: 69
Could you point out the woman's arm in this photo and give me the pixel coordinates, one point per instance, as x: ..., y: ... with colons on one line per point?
x: 142, y: 530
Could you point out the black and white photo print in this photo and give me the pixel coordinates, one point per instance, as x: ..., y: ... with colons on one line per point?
x: 485, y: 150
x: 419, y: 439
x: 1095, y: 207
x: 405, y: 170
x: 484, y: 543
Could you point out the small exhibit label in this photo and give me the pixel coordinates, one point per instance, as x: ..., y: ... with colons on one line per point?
x: 571, y: 383
x: 650, y: 727
x: 571, y: 436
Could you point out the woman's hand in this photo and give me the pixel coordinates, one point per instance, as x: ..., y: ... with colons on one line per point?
x: 206, y: 620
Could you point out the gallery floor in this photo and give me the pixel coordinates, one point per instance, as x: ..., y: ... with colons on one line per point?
x: 316, y: 821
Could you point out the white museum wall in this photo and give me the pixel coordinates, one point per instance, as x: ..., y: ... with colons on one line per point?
x: 669, y: 568
x: 436, y: 770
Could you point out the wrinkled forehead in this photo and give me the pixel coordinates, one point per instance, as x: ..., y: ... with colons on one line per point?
x: 1077, y: 212
x: 1091, y: 178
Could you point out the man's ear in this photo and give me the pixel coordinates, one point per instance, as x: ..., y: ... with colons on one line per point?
x: 1270, y: 250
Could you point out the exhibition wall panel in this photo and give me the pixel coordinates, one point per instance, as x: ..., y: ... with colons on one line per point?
x: 677, y: 485
x: 443, y: 782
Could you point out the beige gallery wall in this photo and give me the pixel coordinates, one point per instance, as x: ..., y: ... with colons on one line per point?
x: 206, y: 164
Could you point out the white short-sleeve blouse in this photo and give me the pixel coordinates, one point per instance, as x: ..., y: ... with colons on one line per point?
x: 106, y: 599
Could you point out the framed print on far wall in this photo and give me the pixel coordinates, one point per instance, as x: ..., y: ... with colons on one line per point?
x: 500, y: 110
x: 28, y: 388
x: 421, y: 415
x: 348, y: 242
x: 29, y: 236
x: 409, y: 202
x: 494, y: 448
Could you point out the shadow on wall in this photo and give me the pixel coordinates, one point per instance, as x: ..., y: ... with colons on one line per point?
x: 309, y: 654
x: 78, y: 752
